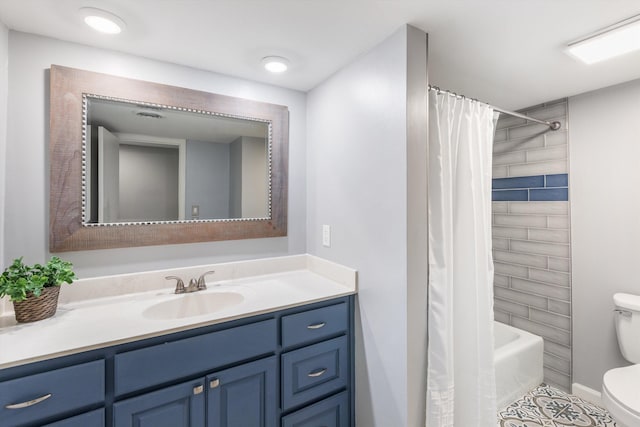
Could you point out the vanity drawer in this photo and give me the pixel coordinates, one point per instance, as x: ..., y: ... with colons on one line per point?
x: 314, y: 371
x: 68, y: 388
x: 89, y: 419
x: 330, y: 412
x: 150, y: 366
x: 313, y: 325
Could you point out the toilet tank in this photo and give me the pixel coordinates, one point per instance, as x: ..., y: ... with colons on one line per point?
x: 627, y: 317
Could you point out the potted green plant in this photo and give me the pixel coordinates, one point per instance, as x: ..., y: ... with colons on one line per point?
x: 34, y: 289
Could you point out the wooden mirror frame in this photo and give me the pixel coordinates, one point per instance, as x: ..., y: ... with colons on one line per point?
x: 67, y: 232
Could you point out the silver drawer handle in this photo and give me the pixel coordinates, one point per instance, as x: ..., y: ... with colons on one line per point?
x: 214, y: 383
x: 198, y: 389
x: 317, y: 373
x: 316, y: 325
x: 29, y: 402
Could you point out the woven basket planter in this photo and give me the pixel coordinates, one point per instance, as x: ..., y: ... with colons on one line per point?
x: 37, y: 308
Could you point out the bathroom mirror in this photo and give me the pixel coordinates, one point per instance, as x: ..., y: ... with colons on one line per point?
x: 136, y: 163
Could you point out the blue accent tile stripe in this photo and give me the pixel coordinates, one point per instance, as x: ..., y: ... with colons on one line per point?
x: 510, y: 195
x: 535, y: 181
x: 558, y: 180
x: 549, y: 194
x: 553, y: 187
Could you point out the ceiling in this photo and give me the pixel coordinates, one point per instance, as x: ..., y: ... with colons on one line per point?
x: 505, y: 52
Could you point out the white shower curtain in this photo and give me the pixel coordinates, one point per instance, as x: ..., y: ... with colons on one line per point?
x: 460, y: 377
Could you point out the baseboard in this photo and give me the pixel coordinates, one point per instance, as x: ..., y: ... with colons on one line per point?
x: 586, y: 393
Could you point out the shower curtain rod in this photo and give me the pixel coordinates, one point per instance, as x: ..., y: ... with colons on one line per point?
x: 555, y: 125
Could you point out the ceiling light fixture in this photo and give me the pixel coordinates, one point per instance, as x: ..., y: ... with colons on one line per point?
x: 101, y: 20
x: 615, y: 40
x: 275, y: 64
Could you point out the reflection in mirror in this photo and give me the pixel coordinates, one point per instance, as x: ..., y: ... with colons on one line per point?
x: 149, y: 163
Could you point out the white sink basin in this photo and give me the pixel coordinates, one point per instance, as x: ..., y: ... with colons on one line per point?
x: 194, y: 304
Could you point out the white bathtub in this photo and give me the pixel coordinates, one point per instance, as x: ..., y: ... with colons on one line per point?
x: 518, y: 361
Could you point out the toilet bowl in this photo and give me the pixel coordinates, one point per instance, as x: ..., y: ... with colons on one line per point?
x: 621, y: 386
x: 621, y: 395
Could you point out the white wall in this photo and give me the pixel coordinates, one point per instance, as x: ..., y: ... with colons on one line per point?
x: 605, y: 218
x: 357, y: 184
x: 4, y: 88
x: 27, y: 204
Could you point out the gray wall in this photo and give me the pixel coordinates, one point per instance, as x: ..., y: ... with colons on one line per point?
x: 26, y: 207
x: 4, y: 89
x: 207, y: 179
x: 357, y: 173
x: 605, y: 221
x: 148, y: 183
x: 531, y: 250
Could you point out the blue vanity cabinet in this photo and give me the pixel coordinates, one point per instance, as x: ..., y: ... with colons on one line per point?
x: 290, y: 368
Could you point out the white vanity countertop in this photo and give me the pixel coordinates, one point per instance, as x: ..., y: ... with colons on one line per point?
x: 97, y: 314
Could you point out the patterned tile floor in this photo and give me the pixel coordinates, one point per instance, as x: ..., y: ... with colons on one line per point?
x: 549, y: 407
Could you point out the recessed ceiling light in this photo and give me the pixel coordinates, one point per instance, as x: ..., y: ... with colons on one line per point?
x: 101, y: 20
x: 616, y: 40
x: 275, y: 64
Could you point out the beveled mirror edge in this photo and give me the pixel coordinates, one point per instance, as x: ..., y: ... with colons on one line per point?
x: 66, y: 230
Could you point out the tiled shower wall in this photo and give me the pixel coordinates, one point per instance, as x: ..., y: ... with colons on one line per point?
x: 531, y: 227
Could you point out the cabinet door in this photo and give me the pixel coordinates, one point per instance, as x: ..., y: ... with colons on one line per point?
x: 181, y: 405
x: 245, y: 395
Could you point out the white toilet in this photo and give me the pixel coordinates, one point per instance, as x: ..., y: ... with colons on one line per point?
x: 621, y: 386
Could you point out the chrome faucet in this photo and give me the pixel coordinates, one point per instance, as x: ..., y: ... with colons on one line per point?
x: 194, y: 285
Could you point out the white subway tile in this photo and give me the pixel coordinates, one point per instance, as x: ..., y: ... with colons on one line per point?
x: 510, y: 158
x: 551, y: 319
x: 560, y: 264
x: 499, y: 243
x: 501, y: 316
x: 544, y: 208
x: 522, y: 259
x: 560, y: 221
x: 500, y: 280
x: 520, y: 220
x: 506, y: 121
x: 539, y: 168
x: 500, y: 135
x: 511, y: 307
x: 551, y: 277
x: 532, y: 129
x: 510, y: 269
x: 556, y: 138
x: 548, y: 112
x: 557, y: 363
x: 543, y: 154
x: 520, y: 297
x: 558, y: 350
x: 556, y: 335
x: 499, y: 207
x: 500, y: 172
x: 541, y: 289
x: 510, y: 232
x: 557, y: 379
x: 560, y: 307
x: 551, y: 249
x: 547, y: 235
x: 518, y: 144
